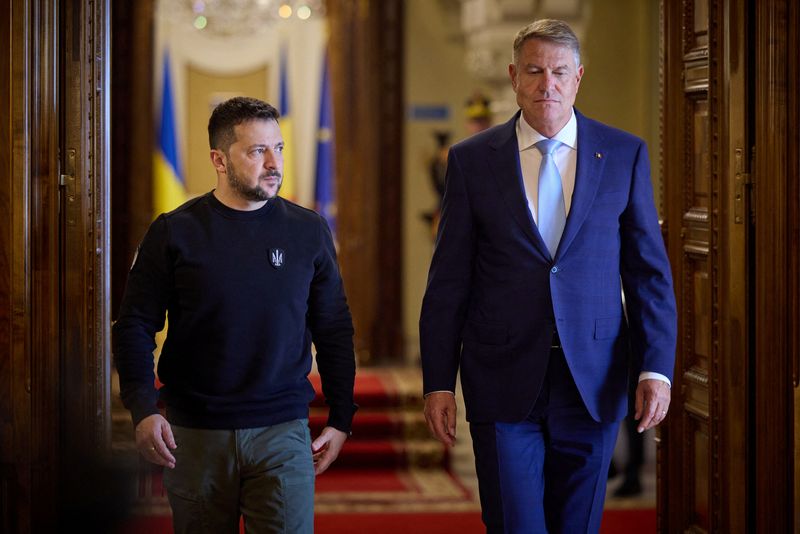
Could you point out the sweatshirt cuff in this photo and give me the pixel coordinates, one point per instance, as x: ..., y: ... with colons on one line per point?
x: 425, y: 396
x: 139, y: 413
x: 341, y: 417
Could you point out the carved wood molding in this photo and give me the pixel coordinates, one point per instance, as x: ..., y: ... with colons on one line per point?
x: 698, y: 376
x: 85, y: 268
x: 662, y: 433
x: 719, y: 131
x: 671, y: 480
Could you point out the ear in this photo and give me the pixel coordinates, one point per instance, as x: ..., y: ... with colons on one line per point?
x: 512, y: 73
x: 218, y: 160
x: 580, y: 75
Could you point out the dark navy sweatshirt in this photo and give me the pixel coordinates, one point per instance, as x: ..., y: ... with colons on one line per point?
x: 246, y: 293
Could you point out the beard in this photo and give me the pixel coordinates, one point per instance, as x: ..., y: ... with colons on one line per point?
x: 254, y: 193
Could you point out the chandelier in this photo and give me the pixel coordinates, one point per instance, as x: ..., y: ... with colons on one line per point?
x: 230, y: 18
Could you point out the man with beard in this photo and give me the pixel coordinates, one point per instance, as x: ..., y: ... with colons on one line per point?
x: 249, y: 281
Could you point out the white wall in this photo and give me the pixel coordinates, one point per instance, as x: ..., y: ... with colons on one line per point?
x: 435, y: 75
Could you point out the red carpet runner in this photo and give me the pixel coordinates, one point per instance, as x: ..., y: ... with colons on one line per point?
x: 390, y: 464
x: 391, y: 477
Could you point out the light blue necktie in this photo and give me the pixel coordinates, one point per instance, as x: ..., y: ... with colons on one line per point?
x: 552, y: 215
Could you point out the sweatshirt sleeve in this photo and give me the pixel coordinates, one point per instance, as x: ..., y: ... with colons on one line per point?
x: 331, y: 329
x: 141, y: 315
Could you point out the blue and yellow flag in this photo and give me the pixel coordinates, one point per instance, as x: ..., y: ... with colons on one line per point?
x: 288, y: 189
x: 169, y: 188
x: 325, y: 187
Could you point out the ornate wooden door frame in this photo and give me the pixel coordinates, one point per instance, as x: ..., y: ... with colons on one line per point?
x: 731, y: 156
x: 85, y: 385
x: 53, y: 253
x: 28, y: 262
x: 706, y: 158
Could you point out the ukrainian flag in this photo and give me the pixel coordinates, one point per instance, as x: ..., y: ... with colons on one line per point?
x: 324, y: 188
x: 169, y: 188
x: 288, y: 189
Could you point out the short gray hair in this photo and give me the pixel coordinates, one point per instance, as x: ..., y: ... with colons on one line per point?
x: 555, y: 31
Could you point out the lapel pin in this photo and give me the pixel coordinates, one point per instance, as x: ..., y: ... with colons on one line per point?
x: 598, y: 155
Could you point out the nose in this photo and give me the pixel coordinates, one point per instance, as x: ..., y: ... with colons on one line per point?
x: 547, y: 82
x: 270, y: 159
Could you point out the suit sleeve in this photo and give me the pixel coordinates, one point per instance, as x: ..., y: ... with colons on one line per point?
x: 646, y: 277
x: 444, y: 306
x: 331, y: 329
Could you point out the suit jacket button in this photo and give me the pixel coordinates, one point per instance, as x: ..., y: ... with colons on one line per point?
x: 554, y: 270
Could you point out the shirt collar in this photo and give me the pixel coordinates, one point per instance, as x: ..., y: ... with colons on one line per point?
x: 527, y: 136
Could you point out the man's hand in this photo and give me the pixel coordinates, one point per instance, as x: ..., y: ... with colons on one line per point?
x: 154, y: 440
x: 326, y: 448
x: 440, y: 413
x: 652, y: 403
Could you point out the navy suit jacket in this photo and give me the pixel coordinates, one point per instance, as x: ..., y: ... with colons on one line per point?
x: 494, y: 294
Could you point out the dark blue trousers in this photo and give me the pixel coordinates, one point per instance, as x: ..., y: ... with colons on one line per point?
x: 546, y: 474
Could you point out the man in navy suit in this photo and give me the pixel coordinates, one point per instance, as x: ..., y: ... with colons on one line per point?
x: 546, y: 219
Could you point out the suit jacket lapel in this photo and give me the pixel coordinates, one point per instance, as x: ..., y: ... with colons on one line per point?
x: 591, y: 160
x: 504, y: 162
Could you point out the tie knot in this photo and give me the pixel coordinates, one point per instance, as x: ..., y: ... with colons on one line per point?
x: 548, y: 146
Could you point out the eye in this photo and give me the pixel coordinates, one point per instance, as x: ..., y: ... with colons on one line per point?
x: 258, y: 151
x: 279, y: 149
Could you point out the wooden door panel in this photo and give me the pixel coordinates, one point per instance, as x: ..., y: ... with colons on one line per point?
x: 701, y: 166
x: 694, y: 286
x: 702, y: 103
x: 697, y: 357
x: 697, y: 19
x: 698, y: 501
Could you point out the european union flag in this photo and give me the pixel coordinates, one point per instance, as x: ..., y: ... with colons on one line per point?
x: 324, y: 189
x: 288, y: 189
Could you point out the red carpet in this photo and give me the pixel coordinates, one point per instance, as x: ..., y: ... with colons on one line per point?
x: 389, y: 431
x: 372, y: 390
x: 629, y: 521
x: 614, y: 522
x: 390, y: 464
x: 391, y: 477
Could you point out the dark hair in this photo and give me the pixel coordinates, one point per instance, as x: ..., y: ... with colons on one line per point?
x: 556, y: 31
x: 235, y: 111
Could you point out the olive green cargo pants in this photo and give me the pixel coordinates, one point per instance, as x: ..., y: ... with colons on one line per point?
x: 264, y: 474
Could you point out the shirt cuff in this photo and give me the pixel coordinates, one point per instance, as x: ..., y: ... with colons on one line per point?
x: 439, y: 391
x: 647, y: 375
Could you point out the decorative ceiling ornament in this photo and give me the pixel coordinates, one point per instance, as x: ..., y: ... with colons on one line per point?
x: 237, y: 18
